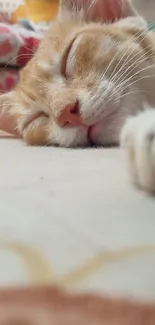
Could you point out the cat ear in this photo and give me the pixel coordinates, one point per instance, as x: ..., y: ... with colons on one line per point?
x: 81, y: 9
x: 136, y: 22
x: 96, y: 10
x: 8, y: 122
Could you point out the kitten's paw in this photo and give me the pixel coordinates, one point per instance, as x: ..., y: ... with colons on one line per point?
x: 34, y: 129
x: 138, y: 138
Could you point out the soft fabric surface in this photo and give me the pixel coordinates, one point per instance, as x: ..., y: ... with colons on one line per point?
x: 17, y: 44
x: 72, y: 218
x: 8, y: 78
x: 48, y: 306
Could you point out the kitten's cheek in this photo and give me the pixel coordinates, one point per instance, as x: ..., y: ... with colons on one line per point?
x: 68, y: 137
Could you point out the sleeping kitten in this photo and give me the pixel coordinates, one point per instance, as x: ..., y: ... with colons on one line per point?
x: 83, y: 83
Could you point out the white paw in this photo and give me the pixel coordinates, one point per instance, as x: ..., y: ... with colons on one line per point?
x: 138, y: 138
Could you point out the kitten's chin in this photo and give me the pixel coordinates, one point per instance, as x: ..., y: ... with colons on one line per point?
x: 92, y: 133
x: 68, y: 137
x: 100, y: 134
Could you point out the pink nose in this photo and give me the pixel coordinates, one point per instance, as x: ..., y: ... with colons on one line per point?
x: 70, y: 116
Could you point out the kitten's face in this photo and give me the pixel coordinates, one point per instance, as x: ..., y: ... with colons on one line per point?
x: 76, y: 82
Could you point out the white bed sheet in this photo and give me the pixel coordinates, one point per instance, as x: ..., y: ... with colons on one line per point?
x: 72, y: 217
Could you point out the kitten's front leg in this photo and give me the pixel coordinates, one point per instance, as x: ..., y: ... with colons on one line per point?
x: 35, y: 132
x: 138, y: 138
x: 32, y: 126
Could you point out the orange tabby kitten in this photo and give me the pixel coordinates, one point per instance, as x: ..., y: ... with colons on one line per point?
x: 85, y: 80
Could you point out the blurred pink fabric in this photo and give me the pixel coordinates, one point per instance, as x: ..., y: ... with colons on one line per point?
x: 17, y: 46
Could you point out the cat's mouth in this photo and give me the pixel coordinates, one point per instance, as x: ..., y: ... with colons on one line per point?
x: 90, y: 133
x: 90, y: 129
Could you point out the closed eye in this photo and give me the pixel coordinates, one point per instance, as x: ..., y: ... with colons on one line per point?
x: 64, y: 61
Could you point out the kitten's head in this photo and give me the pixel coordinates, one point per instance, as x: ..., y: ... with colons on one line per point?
x: 77, y: 78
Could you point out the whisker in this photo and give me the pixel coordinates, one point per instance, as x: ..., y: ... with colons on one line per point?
x: 136, y: 73
x: 16, y: 57
x: 128, y: 61
x: 139, y: 33
x: 130, y: 71
x: 29, y: 49
x: 129, y: 85
x: 134, y: 38
x: 120, y: 49
x: 139, y: 79
x: 132, y: 92
x: 139, y: 61
x: 125, y: 84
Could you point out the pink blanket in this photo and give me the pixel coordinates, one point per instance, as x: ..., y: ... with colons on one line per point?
x: 17, y: 46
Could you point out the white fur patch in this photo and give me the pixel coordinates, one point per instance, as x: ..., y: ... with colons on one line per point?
x: 44, y: 65
x: 106, y: 45
x: 56, y: 57
x: 138, y: 138
x: 67, y: 137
